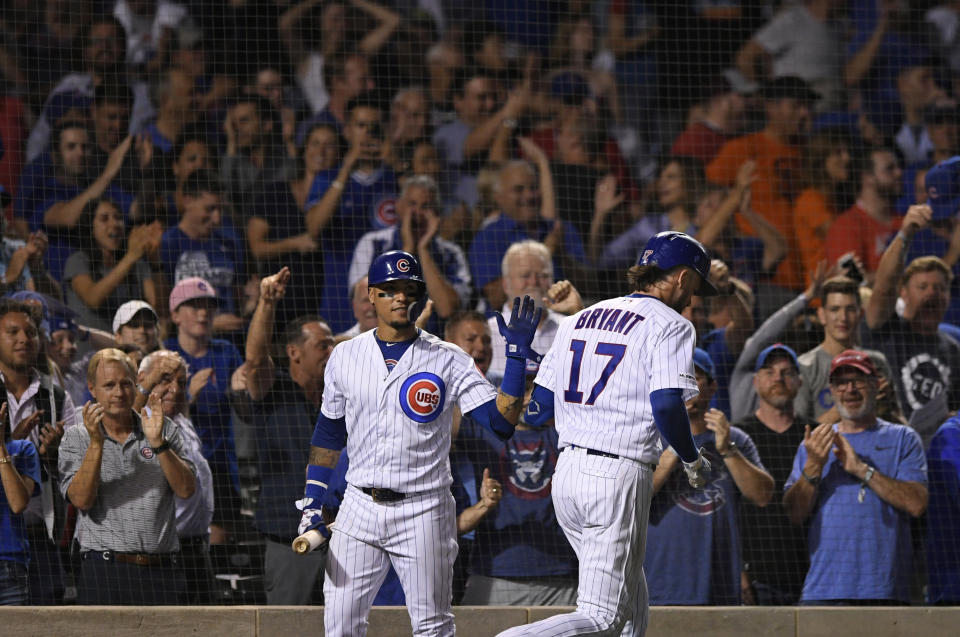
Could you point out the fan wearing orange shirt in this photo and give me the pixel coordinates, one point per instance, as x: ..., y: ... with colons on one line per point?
x: 826, y: 168
x: 777, y: 152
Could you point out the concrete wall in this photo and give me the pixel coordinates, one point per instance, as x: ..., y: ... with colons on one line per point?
x: 262, y: 621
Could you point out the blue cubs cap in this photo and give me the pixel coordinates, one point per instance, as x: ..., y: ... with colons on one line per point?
x: 703, y: 362
x: 670, y: 249
x: 776, y: 348
x: 62, y: 322
x: 943, y: 189
x: 395, y: 265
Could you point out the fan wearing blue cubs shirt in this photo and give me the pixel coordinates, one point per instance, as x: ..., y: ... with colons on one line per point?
x: 346, y: 202
x: 693, y: 551
x: 19, y: 481
x: 388, y: 398
x: 520, y: 555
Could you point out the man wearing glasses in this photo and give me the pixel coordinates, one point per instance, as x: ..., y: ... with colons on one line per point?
x: 859, y: 481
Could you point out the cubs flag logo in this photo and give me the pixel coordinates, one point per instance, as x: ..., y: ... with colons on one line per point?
x: 422, y: 397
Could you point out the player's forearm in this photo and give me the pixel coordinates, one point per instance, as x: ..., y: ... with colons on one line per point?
x: 754, y: 483
x: 509, y: 406
x: 323, y: 457
x: 82, y: 492
x: 799, y: 500
x: 181, y: 479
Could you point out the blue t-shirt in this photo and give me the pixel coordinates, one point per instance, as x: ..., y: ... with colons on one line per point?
x: 210, y: 411
x: 13, y: 530
x: 862, y: 550
x: 218, y: 259
x: 943, y: 515
x: 693, y: 541
x: 521, y: 537
x: 367, y: 203
x: 492, y: 240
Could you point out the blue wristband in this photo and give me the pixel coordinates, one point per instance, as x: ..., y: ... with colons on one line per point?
x: 514, y: 377
x: 317, y: 480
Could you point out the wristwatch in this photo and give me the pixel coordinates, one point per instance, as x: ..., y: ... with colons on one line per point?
x: 814, y: 480
x: 868, y: 474
x: 164, y: 446
x: 731, y: 450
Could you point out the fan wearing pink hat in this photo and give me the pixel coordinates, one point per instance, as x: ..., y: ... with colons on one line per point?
x: 859, y: 482
x: 193, y: 303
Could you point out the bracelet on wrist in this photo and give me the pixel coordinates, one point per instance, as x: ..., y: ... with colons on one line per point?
x: 814, y: 480
x: 164, y: 446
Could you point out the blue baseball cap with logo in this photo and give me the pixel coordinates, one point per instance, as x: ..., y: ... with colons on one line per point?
x: 776, y: 348
x: 703, y: 362
x: 943, y: 189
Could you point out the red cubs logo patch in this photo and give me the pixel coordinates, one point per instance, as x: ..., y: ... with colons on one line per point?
x: 147, y: 453
x: 422, y: 397
x: 386, y: 212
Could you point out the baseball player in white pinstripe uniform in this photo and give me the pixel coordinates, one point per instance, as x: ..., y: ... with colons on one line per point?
x: 617, y: 372
x: 388, y: 398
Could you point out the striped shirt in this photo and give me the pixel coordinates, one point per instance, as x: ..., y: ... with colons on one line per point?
x: 399, y: 421
x: 134, y: 510
x: 605, y: 362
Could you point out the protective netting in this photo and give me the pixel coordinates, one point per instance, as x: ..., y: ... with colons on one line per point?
x: 176, y: 153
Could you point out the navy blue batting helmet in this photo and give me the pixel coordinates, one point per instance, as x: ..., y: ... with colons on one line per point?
x: 396, y: 265
x: 667, y: 250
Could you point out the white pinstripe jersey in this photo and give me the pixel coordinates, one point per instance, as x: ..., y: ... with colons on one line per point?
x: 605, y: 362
x: 399, y: 423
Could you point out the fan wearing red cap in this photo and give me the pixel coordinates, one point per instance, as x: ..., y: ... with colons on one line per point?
x: 859, y: 482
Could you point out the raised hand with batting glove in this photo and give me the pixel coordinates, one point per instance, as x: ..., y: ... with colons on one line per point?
x: 697, y: 471
x: 519, y: 333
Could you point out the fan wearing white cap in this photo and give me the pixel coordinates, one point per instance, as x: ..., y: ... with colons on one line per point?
x: 135, y: 323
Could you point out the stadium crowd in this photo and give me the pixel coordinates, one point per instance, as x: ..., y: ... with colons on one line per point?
x: 193, y: 192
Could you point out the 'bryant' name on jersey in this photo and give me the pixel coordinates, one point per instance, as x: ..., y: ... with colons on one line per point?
x: 608, y: 319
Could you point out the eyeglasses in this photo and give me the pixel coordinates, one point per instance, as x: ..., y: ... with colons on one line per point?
x: 845, y: 383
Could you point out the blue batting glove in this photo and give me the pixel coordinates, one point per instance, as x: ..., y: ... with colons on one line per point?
x: 519, y: 333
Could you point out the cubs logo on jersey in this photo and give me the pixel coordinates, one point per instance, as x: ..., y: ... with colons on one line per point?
x: 422, y: 397
x: 385, y: 212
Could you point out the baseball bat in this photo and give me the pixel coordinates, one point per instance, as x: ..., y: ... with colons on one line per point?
x: 309, y: 541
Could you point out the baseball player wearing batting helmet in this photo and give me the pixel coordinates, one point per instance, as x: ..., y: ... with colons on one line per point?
x: 388, y: 399
x: 618, y: 372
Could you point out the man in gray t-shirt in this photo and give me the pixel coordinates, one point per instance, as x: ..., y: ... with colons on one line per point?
x: 839, y: 313
x: 122, y: 470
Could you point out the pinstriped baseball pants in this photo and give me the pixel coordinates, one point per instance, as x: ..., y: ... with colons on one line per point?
x: 417, y: 535
x: 603, y: 505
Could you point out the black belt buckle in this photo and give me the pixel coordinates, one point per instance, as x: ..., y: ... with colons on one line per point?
x: 604, y: 454
x: 383, y: 495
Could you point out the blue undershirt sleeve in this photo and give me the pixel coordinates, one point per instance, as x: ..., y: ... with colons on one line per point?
x: 330, y: 433
x: 540, y: 410
x: 490, y: 417
x: 670, y: 415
